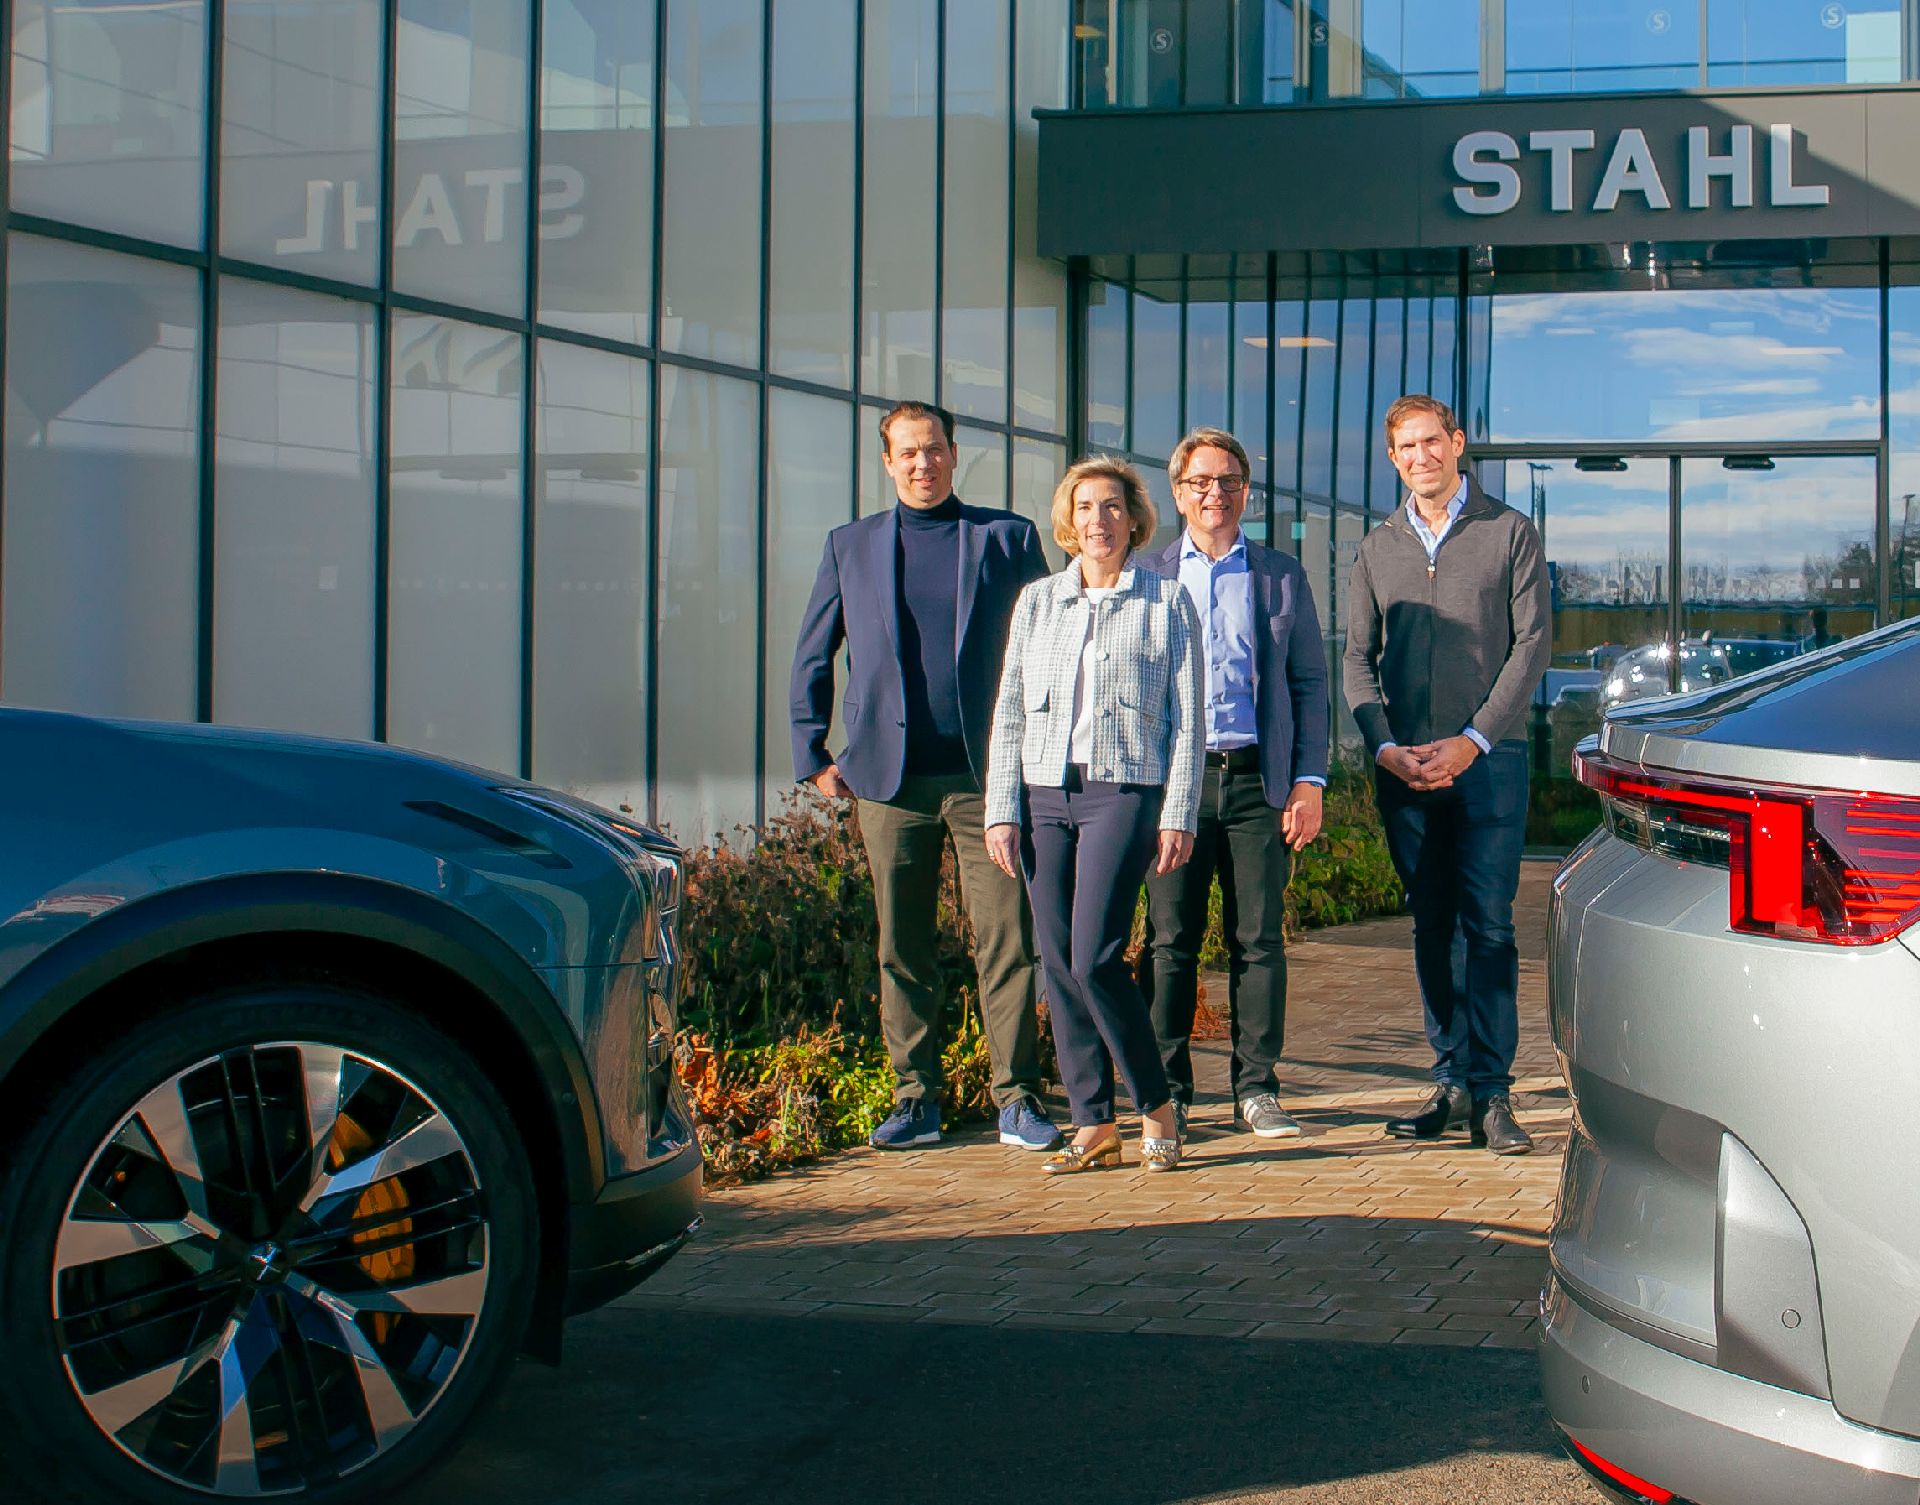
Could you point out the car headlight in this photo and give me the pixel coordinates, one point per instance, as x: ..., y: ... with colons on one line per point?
x: 647, y: 855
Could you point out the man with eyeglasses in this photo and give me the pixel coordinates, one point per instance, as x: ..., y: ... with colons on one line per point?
x: 1450, y: 630
x: 1261, y: 797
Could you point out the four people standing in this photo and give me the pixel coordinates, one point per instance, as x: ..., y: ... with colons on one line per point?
x: 1165, y: 718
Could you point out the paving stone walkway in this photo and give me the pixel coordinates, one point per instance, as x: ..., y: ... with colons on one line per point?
x: 1343, y: 1235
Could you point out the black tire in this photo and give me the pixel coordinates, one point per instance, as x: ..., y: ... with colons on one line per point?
x: 344, y: 1323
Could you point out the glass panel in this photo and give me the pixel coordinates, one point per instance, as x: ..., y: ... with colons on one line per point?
x: 711, y: 266
x: 1106, y: 366
x: 1599, y: 46
x: 1272, y: 42
x: 300, y: 135
x: 1421, y: 49
x: 896, y: 336
x: 1251, y: 410
x: 1156, y: 370
x: 809, y: 487
x: 876, y: 486
x: 1289, y: 355
x: 596, y: 165
x: 590, y: 614
x: 460, y: 230
x: 1037, y: 469
x: 974, y: 290
x: 293, y: 522
x: 708, y: 598
x: 980, y: 472
x: 1160, y: 491
x: 102, y: 480
x: 1334, y: 56
x: 1776, y: 560
x: 453, y: 652
x: 1767, y: 42
x: 814, y: 50
x: 1903, y: 417
x: 1209, y: 344
x: 1317, y: 347
x: 1039, y: 284
x: 1389, y: 381
x: 1355, y: 423
x: 109, y: 114
x: 1731, y: 364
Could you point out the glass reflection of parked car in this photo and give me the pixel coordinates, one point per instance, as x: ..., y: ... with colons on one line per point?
x: 335, y: 1077
x: 1644, y: 672
x: 1745, y: 655
x: 1733, y: 973
x: 1575, y: 713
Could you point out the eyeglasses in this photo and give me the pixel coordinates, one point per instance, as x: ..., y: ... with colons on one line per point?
x: 1200, y: 485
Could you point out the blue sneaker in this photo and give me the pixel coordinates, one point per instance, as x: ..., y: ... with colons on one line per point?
x: 1024, y: 1125
x: 913, y: 1123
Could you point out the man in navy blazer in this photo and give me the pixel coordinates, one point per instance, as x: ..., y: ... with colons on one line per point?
x: 1267, y: 729
x: 922, y: 595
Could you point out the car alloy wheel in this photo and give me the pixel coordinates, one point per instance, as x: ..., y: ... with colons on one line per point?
x: 271, y: 1269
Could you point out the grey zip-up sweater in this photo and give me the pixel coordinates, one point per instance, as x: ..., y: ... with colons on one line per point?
x: 1463, y: 640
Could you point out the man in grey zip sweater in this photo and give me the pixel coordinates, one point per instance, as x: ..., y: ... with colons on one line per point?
x: 1449, y: 631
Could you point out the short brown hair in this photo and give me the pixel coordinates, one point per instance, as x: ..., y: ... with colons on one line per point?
x: 914, y: 410
x: 1140, y: 509
x: 1405, y: 407
x: 1206, y: 438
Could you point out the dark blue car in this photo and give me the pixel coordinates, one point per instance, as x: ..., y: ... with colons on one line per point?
x: 332, y: 1077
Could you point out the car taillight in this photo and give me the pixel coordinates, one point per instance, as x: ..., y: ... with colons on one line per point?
x: 1637, y: 1488
x: 1804, y: 864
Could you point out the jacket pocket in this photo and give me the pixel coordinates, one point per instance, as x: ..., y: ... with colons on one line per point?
x: 1036, y: 697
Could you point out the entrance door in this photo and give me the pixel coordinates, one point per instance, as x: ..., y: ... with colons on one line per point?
x: 1673, y: 571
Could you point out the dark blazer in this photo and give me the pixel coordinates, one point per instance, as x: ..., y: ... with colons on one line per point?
x: 1289, y: 665
x: 856, y: 600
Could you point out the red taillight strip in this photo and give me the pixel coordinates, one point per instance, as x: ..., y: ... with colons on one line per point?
x: 1652, y: 1493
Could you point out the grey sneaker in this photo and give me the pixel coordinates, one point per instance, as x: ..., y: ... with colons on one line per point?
x: 1262, y: 1114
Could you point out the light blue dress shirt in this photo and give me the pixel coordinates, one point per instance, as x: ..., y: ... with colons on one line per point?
x: 1432, y: 540
x: 1222, y: 592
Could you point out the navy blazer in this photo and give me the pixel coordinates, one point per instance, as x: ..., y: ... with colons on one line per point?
x: 1289, y: 665
x: 856, y: 599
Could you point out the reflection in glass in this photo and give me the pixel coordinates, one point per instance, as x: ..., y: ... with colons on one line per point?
x: 98, y: 600
x: 1037, y: 469
x: 293, y: 512
x: 899, y: 213
x: 1390, y: 379
x: 590, y: 575
x: 1317, y: 348
x: 1766, y: 42
x: 809, y: 484
x: 108, y: 115
x: 810, y: 322
x: 1354, y: 434
x: 1039, y: 284
x: 980, y: 473
x: 1903, y: 424
x: 1106, y: 379
x: 1289, y: 363
x: 453, y: 654
x: 300, y: 114
x: 974, y: 263
x: 708, y: 603
x: 1601, y: 46
x: 596, y: 165
x: 711, y: 258
x: 876, y: 491
x: 1250, y: 352
x: 1156, y: 369
x: 1421, y: 49
x: 460, y: 119
x: 1722, y: 365
x: 1208, y: 354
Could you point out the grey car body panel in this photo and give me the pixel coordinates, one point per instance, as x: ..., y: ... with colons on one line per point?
x: 1847, y: 717
x: 1766, y: 1310
x: 1710, y: 1436
x: 228, y: 831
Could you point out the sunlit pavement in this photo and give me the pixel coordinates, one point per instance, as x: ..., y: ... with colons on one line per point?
x: 1266, y: 1323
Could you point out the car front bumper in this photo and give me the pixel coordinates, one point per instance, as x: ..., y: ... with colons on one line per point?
x: 1711, y: 1437
x: 631, y: 1229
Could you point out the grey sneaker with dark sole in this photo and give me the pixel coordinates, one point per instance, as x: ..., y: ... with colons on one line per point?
x: 1263, y: 1115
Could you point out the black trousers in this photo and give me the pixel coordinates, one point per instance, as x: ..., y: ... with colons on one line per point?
x: 1087, y: 846
x: 1240, y: 840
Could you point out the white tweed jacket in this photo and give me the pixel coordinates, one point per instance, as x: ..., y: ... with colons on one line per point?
x: 1148, y: 693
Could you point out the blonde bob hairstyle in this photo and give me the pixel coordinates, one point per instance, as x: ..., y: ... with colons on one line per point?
x: 1140, y: 511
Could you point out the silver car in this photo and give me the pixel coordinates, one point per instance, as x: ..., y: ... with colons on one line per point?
x: 1733, y: 1311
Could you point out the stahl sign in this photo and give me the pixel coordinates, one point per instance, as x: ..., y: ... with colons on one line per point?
x: 1795, y: 164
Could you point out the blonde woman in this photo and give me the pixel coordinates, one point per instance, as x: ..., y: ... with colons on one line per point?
x: 1093, y: 777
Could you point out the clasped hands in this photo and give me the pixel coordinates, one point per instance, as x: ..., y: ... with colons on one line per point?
x: 1003, y: 846
x: 1431, y: 765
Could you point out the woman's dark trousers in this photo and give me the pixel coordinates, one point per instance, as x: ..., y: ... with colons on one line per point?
x: 1087, y: 849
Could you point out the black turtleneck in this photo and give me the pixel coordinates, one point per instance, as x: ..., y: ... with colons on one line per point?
x: 929, y: 575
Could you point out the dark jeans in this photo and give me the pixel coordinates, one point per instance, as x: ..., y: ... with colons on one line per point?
x: 1239, y: 838
x: 1457, y: 850
x: 904, y: 838
x: 1086, y: 848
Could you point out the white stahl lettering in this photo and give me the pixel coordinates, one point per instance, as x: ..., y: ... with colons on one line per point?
x: 1560, y: 147
x: 1703, y: 165
x: 1631, y: 169
x: 431, y: 209
x: 1470, y: 168
x: 1782, y: 191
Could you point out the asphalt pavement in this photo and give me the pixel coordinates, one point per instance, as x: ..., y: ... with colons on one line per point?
x: 685, y: 1406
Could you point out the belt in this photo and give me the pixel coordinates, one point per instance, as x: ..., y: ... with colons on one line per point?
x: 1235, y: 759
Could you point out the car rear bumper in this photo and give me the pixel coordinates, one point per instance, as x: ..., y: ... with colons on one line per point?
x: 1711, y: 1437
x: 631, y: 1229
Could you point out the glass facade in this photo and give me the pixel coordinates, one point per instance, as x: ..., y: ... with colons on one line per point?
x: 484, y: 375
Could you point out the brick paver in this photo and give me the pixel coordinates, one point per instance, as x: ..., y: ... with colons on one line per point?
x: 1343, y: 1235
